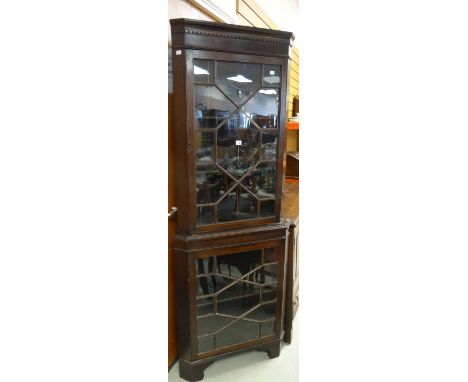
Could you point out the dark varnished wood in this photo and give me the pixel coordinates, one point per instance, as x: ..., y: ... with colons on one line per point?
x: 290, y: 216
x: 172, y: 335
x: 194, y: 39
x: 187, y: 248
x: 228, y: 37
x: 227, y: 238
x: 204, y: 35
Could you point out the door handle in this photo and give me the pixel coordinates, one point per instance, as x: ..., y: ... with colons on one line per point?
x: 172, y: 213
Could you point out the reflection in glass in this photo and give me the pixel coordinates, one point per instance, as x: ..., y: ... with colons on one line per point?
x: 267, y: 208
x: 269, y: 293
x: 263, y: 108
x: 271, y: 75
x: 235, y: 303
x: 267, y: 328
x: 211, y: 107
x: 238, y: 80
x: 208, y: 181
x: 205, y: 265
x: 211, y: 324
x: 237, y: 147
x: 270, y: 273
x: 263, y: 311
x: 238, y: 205
x: 208, y: 285
x: 269, y: 144
x: 205, y: 215
x: 239, y: 103
x: 261, y: 181
x: 211, y: 183
x: 203, y: 71
x: 204, y: 146
x: 238, y: 332
x: 245, y: 297
x: 238, y: 264
x: 205, y: 344
x: 205, y: 306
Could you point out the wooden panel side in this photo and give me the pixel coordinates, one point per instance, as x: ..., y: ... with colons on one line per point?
x: 172, y: 334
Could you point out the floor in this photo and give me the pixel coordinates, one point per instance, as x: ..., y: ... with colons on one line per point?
x: 254, y: 365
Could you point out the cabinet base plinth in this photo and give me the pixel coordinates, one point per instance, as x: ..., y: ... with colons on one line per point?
x: 287, y: 336
x: 194, y: 371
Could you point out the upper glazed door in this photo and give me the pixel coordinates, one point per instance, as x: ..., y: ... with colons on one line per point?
x: 236, y: 119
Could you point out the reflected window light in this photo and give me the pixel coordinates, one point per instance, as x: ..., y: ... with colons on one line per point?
x: 267, y: 91
x: 272, y: 79
x: 197, y: 70
x: 239, y: 78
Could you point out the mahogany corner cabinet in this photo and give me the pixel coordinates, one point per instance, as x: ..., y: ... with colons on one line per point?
x: 230, y: 92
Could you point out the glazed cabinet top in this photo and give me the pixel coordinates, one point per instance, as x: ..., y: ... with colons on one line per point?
x: 230, y: 94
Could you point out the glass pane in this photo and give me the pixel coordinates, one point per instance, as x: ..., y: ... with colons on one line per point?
x: 247, y: 204
x: 205, y: 306
x: 263, y: 108
x: 261, y: 181
x: 237, y: 145
x: 204, y: 146
x: 211, y: 183
x: 271, y: 75
x: 263, y: 312
x: 207, y: 285
x: 267, y: 328
x: 269, y: 143
x: 239, y: 204
x: 268, y: 293
x: 211, y: 107
x: 205, y: 344
x: 242, y: 309
x: 267, y: 208
x: 205, y: 215
x: 270, y: 273
x: 238, y: 299
x: 238, y: 80
x: 205, y: 265
x: 240, y: 331
x: 238, y: 264
x: 209, y: 325
x: 203, y: 71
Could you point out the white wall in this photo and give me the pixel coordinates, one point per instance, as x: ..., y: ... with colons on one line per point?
x: 285, y: 14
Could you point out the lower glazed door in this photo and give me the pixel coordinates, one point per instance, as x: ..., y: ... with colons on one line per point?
x: 236, y: 299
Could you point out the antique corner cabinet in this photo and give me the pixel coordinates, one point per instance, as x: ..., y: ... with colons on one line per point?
x: 230, y: 94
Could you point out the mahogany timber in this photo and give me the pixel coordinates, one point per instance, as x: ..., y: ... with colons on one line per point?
x: 205, y: 35
x: 290, y: 214
x: 195, y: 39
x: 187, y: 248
x: 171, y: 319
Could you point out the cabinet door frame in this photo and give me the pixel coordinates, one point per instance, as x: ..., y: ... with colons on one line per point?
x: 188, y: 151
x: 280, y: 245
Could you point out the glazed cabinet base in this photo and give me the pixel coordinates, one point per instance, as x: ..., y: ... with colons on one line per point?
x: 230, y: 294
